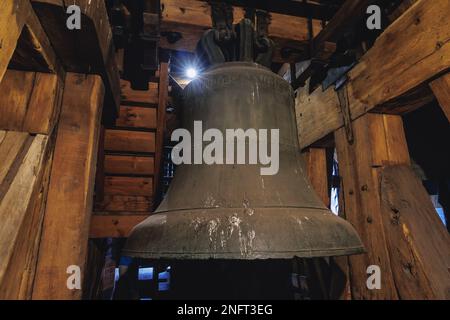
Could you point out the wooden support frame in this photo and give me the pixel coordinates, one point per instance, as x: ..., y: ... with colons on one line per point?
x: 378, y: 193
x: 392, y: 76
x: 89, y: 50
x: 361, y: 200
x: 65, y: 236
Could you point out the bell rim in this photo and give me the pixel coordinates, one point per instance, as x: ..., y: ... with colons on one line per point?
x: 341, y: 239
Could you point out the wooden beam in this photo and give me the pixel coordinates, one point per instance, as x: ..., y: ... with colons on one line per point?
x: 418, y: 243
x: 89, y: 50
x: 65, y: 236
x: 412, y: 51
x: 24, y: 160
x: 114, y: 226
x: 441, y: 89
x: 13, y: 16
x: 373, y: 147
x: 30, y: 101
x: 192, y: 17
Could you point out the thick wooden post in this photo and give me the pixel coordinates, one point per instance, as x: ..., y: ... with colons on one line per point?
x: 70, y: 197
x: 393, y: 214
x: 441, y: 89
x: 378, y: 140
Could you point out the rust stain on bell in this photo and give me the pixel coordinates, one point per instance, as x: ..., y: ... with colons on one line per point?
x: 231, y: 211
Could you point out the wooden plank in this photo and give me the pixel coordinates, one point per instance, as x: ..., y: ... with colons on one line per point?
x: 12, y: 145
x: 120, y: 203
x: 18, y: 202
x: 89, y: 50
x: 65, y: 236
x: 129, y: 141
x: 358, y: 165
x: 127, y: 165
x: 30, y: 101
x: 139, y: 97
x: 441, y: 89
x: 321, y: 110
x: 162, y: 105
x: 137, y: 117
x: 316, y: 168
x: 21, y: 269
x: 409, y: 53
x: 129, y: 186
x: 13, y: 15
x: 114, y: 226
x: 419, y: 244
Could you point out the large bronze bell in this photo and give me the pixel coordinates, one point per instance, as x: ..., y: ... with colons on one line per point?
x: 226, y: 211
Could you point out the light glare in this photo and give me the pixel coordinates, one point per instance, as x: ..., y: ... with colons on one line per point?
x: 191, y: 73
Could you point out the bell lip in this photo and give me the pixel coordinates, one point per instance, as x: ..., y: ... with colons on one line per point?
x: 158, y: 221
x: 257, y: 255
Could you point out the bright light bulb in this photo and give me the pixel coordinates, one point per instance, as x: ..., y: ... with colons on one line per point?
x: 191, y: 73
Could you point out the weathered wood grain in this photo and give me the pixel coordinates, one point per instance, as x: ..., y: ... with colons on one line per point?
x: 358, y: 163
x: 65, y: 236
x: 89, y: 50
x: 410, y: 52
x: 30, y: 101
x: 17, y: 203
x: 22, y: 266
x: 418, y: 243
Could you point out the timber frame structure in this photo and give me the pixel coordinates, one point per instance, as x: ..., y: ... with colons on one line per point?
x: 71, y: 128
